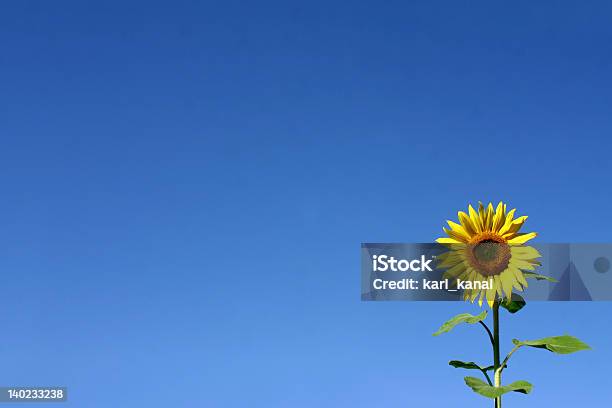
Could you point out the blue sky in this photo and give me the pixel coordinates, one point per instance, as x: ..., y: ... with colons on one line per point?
x: 186, y: 186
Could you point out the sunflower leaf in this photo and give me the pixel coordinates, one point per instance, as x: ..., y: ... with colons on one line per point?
x: 558, y: 344
x: 460, y: 318
x: 538, y: 276
x: 470, y: 365
x: 491, y: 368
x: 513, y: 304
x: 484, y: 389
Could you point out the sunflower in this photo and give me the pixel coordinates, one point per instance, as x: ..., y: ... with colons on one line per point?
x: 487, y: 246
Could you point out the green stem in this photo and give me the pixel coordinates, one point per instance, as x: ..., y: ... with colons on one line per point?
x: 496, y: 360
x: 488, y: 331
x: 487, y: 377
x: 505, y: 363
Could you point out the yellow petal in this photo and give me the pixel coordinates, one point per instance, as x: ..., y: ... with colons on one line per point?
x: 459, y: 230
x: 482, y: 215
x: 455, y: 235
x: 522, y: 238
x: 515, y: 227
x: 507, y: 221
x: 475, y: 219
x: 527, y: 253
x: 499, y: 217
x: 489, y: 217
x: 519, y: 277
x: 445, y: 240
x: 449, y: 258
x: 507, y: 281
x: 522, y: 264
x: 467, y: 224
x: 456, y: 271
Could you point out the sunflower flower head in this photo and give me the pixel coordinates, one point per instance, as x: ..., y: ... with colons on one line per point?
x: 487, y: 245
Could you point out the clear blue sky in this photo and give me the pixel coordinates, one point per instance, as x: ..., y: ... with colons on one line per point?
x: 185, y: 186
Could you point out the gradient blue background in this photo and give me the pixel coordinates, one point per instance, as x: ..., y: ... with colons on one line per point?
x: 185, y: 186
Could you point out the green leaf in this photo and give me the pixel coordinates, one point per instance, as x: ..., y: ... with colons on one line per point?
x: 486, y: 390
x: 514, y: 304
x: 558, y: 344
x: 460, y: 318
x: 538, y: 276
x: 469, y: 365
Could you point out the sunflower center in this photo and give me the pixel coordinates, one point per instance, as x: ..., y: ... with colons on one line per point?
x: 489, y: 256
